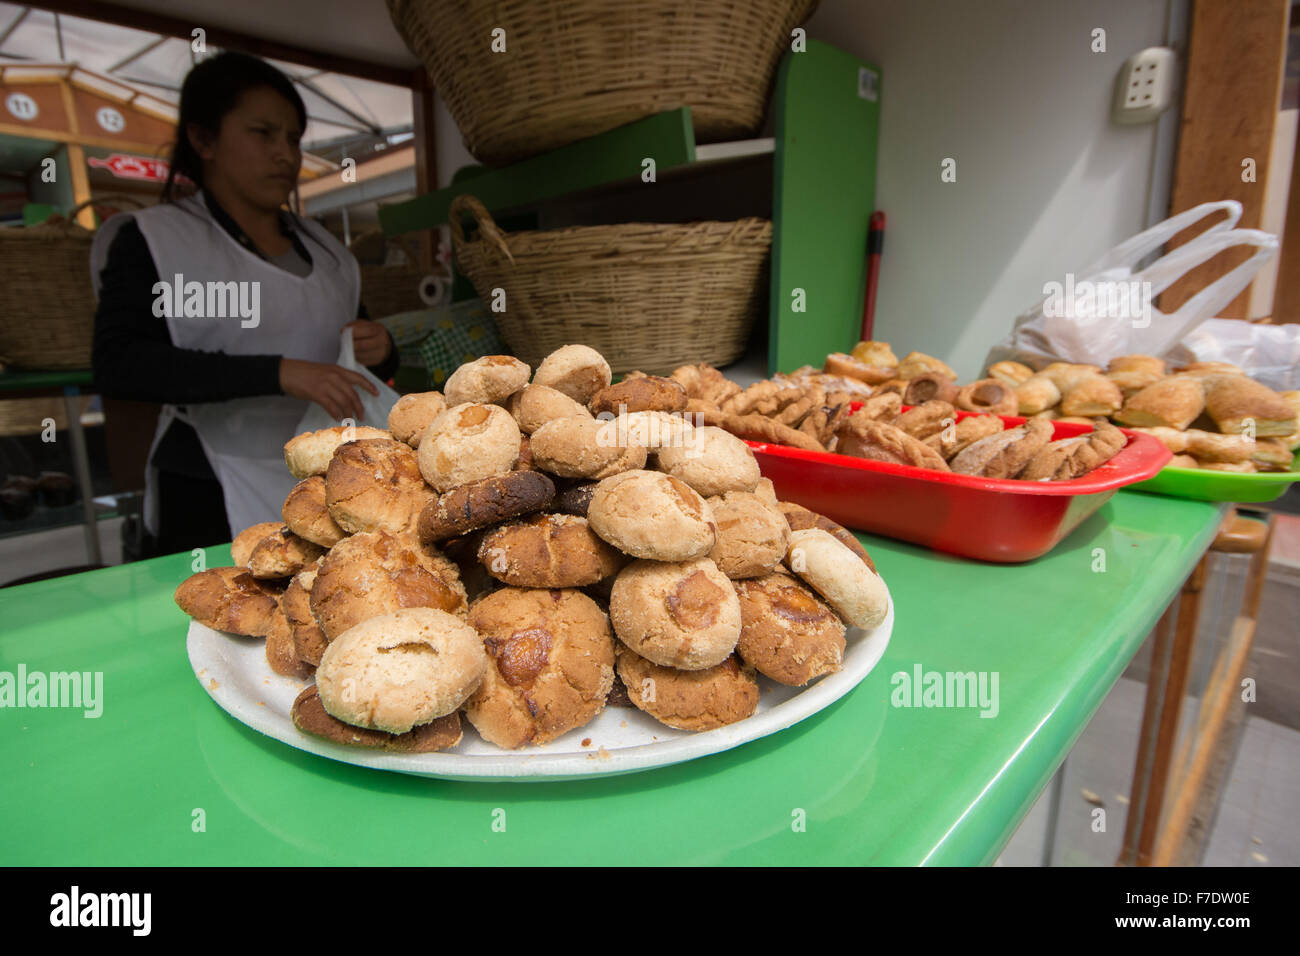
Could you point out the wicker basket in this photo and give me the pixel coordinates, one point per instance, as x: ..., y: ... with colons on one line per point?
x: 27, y: 416
x: 387, y: 290
x: 581, y: 67
x: 47, y: 303
x: 646, y: 296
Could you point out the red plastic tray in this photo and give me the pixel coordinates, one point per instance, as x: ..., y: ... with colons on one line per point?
x: 1000, y: 520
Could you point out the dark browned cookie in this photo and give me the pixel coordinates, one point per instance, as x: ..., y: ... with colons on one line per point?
x: 309, y: 716
x: 484, y: 502
x: 618, y: 696
x: 575, y: 500
x: 649, y: 393
x: 800, y: 518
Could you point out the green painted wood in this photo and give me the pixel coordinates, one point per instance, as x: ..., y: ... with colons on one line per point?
x: 668, y: 138
x: 824, y: 194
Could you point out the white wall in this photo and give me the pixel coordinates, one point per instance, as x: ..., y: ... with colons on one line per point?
x: 1045, y: 181
x: 1011, y: 90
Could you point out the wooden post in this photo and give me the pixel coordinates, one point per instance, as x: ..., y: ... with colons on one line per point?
x: 1159, y: 734
x: 1235, y: 61
x: 76, y: 159
x: 1218, y: 698
x: 426, y: 155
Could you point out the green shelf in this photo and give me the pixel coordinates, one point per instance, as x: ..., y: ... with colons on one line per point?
x: 668, y: 138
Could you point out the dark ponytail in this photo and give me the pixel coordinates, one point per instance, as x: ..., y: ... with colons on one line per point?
x: 210, y: 91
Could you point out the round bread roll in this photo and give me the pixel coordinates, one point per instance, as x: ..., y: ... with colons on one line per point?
x: 684, y: 615
x: 786, y: 632
x: 535, y: 405
x: 578, y: 447
x: 281, y: 554
x: 767, y: 492
x: 401, y: 670
x: 548, y: 551
x: 306, y: 514
x: 752, y: 536
x: 713, y: 462
x: 651, y: 515
x: 576, y: 370
x: 551, y: 665
x: 413, y: 413
x: 839, y: 576
x: 466, y: 443
x: 241, y: 549
x: 373, y: 573
x: 310, y: 453
x: 655, y: 429
x: 230, y: 600
x: 689, y: 700
x: 489, y: 380
x: 376, y: 485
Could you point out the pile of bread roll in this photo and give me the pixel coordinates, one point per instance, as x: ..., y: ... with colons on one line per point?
x: 1211, y: 415
x: 525, y: 553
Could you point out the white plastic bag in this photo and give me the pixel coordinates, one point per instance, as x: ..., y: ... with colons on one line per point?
x: 1108, y: 309
x: 375, y: 408
x: 1270, y: 354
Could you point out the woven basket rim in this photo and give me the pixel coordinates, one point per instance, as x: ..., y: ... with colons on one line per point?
x: 709, y: 240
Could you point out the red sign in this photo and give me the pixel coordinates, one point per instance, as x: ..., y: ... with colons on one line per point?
x: 124, y: 166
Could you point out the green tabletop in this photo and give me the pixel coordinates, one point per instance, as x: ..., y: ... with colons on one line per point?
x: 23, y: 381
x: 862, y: 782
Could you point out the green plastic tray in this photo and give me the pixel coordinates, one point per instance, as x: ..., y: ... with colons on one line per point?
x: 1220, y: 485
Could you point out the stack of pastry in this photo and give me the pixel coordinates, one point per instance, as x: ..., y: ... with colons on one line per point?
x: 815, y: 410
x: 1209, y: 414
x: 525, y: 553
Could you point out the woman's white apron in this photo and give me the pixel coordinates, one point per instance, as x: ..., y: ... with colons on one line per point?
x: 295, y: 317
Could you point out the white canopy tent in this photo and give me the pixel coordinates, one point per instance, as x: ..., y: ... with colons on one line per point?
x: 347, y: 114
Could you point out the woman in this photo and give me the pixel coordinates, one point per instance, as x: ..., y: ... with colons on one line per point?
x: 235, y: 365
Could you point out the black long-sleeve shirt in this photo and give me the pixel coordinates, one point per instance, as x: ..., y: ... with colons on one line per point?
x: 134, y: 357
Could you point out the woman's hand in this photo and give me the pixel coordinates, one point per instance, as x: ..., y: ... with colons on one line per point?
x: 332, y: 387
x: 370, y: 341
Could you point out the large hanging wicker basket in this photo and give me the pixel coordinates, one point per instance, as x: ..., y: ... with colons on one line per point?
x: 47, y: 303
x: 647, y: 296
x: 574, y: 69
